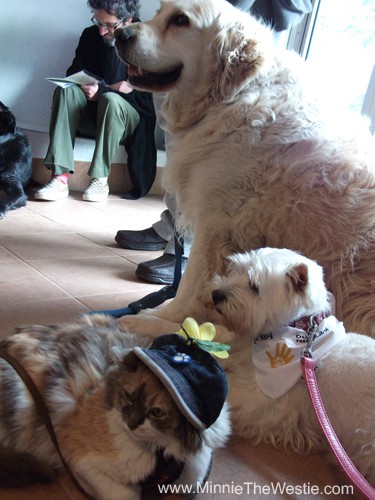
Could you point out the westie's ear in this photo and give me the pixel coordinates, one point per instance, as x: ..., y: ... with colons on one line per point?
x: 298, y: 276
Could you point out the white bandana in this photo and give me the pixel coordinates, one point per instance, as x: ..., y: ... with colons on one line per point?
x: 276, y: 355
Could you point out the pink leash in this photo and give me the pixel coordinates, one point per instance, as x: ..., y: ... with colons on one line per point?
x: 308, y: 369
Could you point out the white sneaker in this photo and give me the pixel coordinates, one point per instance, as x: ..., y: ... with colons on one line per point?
x: 54, y: 190
x: 97, y: 191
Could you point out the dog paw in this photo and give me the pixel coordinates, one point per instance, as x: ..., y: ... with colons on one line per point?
x: 129, y: 323
x: 142, y: 324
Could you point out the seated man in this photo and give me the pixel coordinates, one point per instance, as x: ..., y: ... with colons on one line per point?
x: 111, y: 112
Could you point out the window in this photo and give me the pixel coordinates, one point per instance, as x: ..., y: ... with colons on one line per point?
x: 338, y: 39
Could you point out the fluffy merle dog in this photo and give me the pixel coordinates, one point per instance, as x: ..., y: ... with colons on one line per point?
x: 15, y: 163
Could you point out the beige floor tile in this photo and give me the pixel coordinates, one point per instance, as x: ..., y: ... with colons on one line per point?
x: 51, y: 208
x: 20, y: 283
x: 75, y: 214
x: 107, y: 241
x: 5, y: 255
x: 43, y: 312
x: 26, y: 221
x: 89, y: 276
x: 112, y: 301
x: 131, y: 211
x: 125, y: 214
x: 52, y: 246
x: 80, y: 236
x: 87, y: 219
x: 138, y: 257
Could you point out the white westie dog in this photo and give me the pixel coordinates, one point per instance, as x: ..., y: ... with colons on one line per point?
x: 266, y: 302
x: 268, y: 298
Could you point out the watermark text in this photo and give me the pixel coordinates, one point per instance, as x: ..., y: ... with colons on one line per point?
x: 253, y: 488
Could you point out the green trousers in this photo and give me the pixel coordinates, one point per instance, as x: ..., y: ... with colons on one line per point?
x: 111, y: 121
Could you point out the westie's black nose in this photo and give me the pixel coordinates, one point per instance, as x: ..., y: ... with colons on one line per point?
x: 218, y: 296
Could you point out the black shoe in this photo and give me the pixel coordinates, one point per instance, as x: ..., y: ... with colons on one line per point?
x: 147, y: 239
x: 160, y: 270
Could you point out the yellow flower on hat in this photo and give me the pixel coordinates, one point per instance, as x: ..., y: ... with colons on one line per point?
x: 203, y: 336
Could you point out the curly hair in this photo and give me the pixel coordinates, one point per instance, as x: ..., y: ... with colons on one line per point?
x: 123, y: 9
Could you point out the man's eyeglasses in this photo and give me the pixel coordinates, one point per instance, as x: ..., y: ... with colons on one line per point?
x: 109, y: 27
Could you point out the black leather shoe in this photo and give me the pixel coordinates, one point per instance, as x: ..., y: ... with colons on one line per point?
x: 147, y: 239
x: 160, y: 270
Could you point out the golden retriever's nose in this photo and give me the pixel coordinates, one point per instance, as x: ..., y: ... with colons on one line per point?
x: 218, y: 297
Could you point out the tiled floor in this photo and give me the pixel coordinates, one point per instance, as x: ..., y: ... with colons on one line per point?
x: 59, y: 259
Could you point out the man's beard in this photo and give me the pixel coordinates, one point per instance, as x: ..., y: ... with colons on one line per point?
x: 109, y: 41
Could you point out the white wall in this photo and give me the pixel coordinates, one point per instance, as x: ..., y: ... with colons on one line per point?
x: 37, y: 40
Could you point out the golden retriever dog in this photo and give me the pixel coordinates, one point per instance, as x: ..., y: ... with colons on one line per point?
x: 256, y: 160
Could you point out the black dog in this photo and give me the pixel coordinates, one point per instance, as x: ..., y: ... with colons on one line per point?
x: 15, y: 163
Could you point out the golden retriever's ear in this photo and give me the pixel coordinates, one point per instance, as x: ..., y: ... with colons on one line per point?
x: 241, y: 57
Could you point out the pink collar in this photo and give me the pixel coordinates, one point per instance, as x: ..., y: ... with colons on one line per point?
x: 307, y: 322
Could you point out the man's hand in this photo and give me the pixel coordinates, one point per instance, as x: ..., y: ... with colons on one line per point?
x: 91, y: 91
x: 122, y: 86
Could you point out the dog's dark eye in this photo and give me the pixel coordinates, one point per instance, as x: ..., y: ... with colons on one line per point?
x: 253, y: 287
x: 180, y: 20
